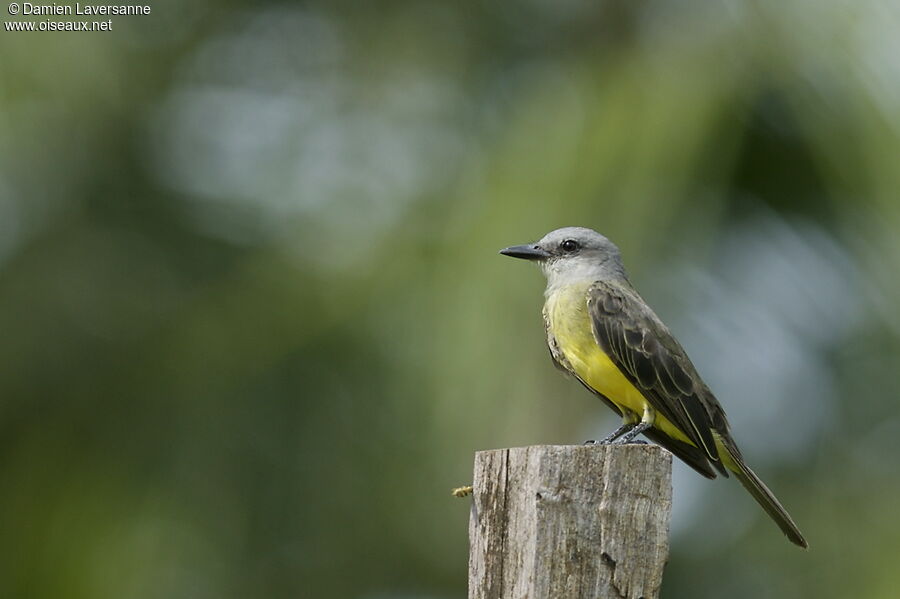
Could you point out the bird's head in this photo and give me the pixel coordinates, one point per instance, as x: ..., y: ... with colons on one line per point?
x: 572, y: 254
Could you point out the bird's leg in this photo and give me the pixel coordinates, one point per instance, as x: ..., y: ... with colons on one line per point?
x: 634, y: 432
x: 647, y: 420
x: 629, y: 423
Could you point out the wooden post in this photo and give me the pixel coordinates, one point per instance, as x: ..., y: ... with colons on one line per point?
x: 564, y: 522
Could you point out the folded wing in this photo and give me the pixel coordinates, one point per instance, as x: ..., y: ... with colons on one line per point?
x: 647, y: 354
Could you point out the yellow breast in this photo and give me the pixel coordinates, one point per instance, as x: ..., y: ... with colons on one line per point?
x: 570, y: 324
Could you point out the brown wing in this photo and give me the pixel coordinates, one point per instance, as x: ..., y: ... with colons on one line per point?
x: 644, y: 350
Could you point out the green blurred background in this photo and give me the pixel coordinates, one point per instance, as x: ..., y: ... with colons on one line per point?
x: 254, y: 324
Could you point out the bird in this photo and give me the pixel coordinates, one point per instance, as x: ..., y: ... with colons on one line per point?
x: 602, y: 332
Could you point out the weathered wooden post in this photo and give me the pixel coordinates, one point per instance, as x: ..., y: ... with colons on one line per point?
x: 565, y: 522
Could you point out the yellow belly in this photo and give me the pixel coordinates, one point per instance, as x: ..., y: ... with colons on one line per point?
x: 570, y: 324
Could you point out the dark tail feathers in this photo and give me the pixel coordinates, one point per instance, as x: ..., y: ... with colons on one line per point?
x: 767, y: 500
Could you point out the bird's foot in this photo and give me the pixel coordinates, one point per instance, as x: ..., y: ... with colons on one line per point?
x: 616, y: 434
x: 634, y: 432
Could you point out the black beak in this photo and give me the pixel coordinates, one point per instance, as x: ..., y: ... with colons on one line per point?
x: 525, y: 252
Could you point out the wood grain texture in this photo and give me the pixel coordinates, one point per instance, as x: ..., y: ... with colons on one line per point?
x: 570, y: 522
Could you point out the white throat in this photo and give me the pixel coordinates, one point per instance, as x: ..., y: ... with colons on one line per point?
x: 572, y: 271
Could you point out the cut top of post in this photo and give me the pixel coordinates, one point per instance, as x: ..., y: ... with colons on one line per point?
x: 570, y: 521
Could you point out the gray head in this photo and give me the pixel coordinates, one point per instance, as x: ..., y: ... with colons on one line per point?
x: 572, y: 254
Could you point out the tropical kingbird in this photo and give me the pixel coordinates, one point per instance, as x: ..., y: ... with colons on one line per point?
x: 603, y: 333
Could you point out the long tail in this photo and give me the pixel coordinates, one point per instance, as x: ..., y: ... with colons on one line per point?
x: 760, y: 492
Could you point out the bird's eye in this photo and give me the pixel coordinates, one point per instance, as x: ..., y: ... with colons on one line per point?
x: 569, y: 245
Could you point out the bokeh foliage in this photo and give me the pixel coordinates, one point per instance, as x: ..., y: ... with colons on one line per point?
x: 254, y: 324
